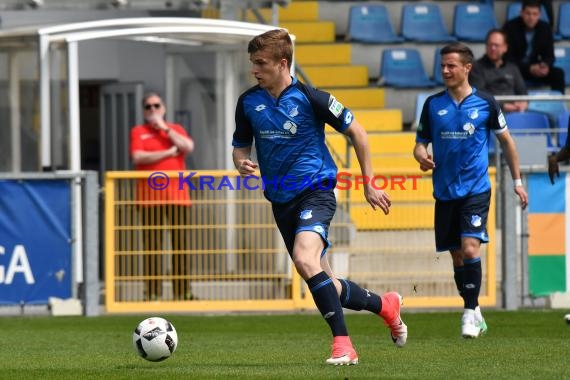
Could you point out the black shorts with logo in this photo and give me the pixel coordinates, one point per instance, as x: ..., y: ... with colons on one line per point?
x: 465, y: 217
x: 311, y: 210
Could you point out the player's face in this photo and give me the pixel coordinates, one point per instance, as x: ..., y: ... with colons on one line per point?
x: 530, y: 16
x: 453, y: 71
x: 266, y: 70
x: 496, y: 47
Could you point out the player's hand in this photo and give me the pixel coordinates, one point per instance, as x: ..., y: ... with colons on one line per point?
x: 520, y: 191
x: 427, y: 163
x: 247, y: 167
x: 173, y: 151
x: 377, y: 198
x: 552, y: 168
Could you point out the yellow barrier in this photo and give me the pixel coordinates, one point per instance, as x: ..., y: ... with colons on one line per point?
x: 237, y: 260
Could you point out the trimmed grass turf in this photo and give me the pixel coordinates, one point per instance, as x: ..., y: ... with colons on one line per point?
x: 524, y: 344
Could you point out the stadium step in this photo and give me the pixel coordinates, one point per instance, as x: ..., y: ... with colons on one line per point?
x: 323, y: 54
x: 337, y: 75
x: 380, y: 120
x: 310, y: 31
x: 358, y: 98
x: 296, y: 11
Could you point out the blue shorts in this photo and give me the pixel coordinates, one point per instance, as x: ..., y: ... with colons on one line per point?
x: 311, y: 210
x: 466, y: 217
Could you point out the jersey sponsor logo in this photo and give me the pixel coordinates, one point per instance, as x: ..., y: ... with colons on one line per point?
x: 260, y: 107
x: 290, y: 126
x: 469, y: 128
x: 442, y: 112
x: 348, y: 118
x: 502, y: 120
x: 335, y: 106
x: 475, y: 220
x: 473, y: 113
x: 294, y: 112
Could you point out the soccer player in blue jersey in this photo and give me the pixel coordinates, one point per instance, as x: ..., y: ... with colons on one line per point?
x: 457, y: 123
x: 286, y: 119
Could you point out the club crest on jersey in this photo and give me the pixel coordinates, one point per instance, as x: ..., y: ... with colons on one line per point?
x: 335, y: 106
x: 294, y: 112
x: 348, y: 118
x: 318, y: 229
x: 475, y: 220
x: 473, y: 113
x: 306, y: 214
x: 469, y: 128
x: 290, y: 126
x: 260, y: 107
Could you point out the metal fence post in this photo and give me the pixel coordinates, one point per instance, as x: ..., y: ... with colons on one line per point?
x: 509, y: 246
x: 91, y: 247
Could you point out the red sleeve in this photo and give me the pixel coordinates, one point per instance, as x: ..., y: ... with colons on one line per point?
x: 136, y: 142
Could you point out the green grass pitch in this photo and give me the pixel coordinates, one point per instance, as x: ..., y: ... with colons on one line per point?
x: 519, y: 345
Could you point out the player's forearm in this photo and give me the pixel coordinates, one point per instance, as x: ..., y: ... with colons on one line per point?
x: 359, y: 140
x: 420, y: 151
x: 512, y: 158
x: 241, y: 154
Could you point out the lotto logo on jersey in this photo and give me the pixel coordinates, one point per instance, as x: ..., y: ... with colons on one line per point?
x: 335, y: 106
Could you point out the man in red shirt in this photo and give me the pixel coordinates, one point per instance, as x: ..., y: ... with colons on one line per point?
x: 158, y: 145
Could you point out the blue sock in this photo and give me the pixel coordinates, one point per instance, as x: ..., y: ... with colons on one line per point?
x: 327, y: 301
x: 458, y: 277
x: 471, y: 282
x: 354, y: 297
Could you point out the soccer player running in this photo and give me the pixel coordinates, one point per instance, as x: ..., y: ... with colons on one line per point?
x: 457, y: 122
x: 286, y: 119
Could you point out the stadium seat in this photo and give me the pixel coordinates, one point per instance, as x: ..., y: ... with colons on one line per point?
x: 423, y: 22
x: 562, y: 55
x: 371, y: 24
x: 514, y: 10
x: 403, y: 68
x: 437, y: 77
x: 420, y: 100
x: 529, y: 123
x: 564, y: 20
x: 551, y: 108
x: 471, y: 22
x: 563, y: 123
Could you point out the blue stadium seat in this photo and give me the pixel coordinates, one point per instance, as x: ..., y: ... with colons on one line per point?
x: 471, y: 22
x: 514, y: 10
x: 529, y: 123
x: 563, y: 124
x: 562, y: 55
x: 403, y: 68
x: 420, y: 100
x: 551, y: 108
x: 564, y: 20
x: 371, y: 24
x: 437, y: 77
x: 423, y: 22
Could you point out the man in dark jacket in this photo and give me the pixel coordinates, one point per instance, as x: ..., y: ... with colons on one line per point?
x: 531, y: 47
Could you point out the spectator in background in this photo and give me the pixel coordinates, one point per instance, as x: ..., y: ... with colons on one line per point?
x: 158, y: 146
x: 531, y: 47
x: 492, y: 74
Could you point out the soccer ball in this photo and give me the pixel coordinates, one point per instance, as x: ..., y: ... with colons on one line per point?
x: 155, y: 339
x: 567, y: 318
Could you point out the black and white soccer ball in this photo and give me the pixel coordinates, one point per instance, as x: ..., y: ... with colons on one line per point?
x: 155, y: 339
x: 567, y: 318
